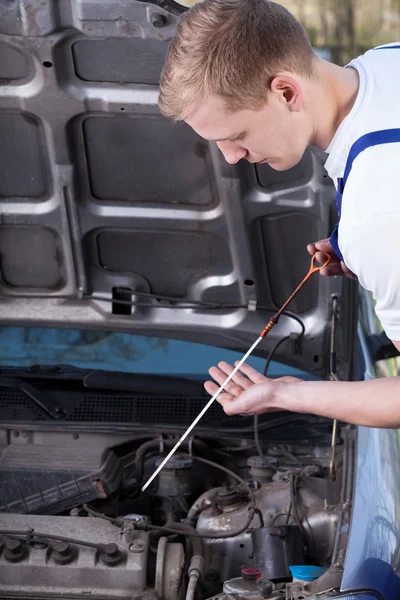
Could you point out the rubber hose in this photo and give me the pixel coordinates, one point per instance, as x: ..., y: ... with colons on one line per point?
x: 154, y: 445
x: 196, y: 541
x: 191, y: 589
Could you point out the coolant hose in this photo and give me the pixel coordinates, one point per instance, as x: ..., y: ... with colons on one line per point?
x: 195, y: 572
x: 154, y: 445
x: 196, y: 542
x: 196, y: 547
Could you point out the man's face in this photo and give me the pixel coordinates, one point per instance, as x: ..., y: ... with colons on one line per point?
x: 276, y: 134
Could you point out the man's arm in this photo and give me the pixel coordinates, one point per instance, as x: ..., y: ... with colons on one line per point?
x: 373, y: 403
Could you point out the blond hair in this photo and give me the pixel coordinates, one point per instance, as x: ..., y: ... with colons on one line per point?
x: 234, y: 49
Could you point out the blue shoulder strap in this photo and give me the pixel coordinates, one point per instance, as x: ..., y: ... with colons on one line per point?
x: 375, y: 138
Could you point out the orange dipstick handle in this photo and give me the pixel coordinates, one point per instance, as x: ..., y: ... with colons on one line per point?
x: 313, y: 269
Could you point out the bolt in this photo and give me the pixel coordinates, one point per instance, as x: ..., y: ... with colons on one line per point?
x: 75, y: 436
x: 158, y: 20
x: 136, y: 547
x: 14, y: 551
x: 61, y: 547
x: 111, y: 555
x: 111, y: 549
x: 63, y: 553
x: 16, y: 433
x: 14, y: 545
x: 337, y: 565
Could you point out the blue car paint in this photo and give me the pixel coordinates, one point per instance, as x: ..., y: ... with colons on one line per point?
x: 373, y: 553
x: 24, y: 347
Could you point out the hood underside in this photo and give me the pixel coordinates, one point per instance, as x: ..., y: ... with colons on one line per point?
x: 104, y: 203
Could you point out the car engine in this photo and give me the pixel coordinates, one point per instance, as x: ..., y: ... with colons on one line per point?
x: 219, y: 521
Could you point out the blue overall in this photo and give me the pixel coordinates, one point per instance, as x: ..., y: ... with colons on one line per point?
x: 375, y: 138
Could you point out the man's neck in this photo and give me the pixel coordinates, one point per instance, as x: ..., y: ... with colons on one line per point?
x: 334, y: 97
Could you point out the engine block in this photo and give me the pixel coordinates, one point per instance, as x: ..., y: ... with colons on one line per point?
x: 51, y: 568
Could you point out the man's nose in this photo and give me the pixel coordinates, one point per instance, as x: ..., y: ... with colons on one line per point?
x: 232, y: 152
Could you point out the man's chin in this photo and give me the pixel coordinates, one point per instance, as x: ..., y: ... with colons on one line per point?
x: 280, y: 164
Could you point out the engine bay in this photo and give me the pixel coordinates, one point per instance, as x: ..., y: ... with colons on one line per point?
x: 220, y: 520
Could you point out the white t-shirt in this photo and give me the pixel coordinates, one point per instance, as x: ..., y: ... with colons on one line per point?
x: 369, y: 229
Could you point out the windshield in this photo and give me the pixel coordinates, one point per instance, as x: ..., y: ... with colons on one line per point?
x: 25, y: 347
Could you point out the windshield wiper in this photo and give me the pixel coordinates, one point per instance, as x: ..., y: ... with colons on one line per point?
x: 38, y: 397
x: 139, y: 383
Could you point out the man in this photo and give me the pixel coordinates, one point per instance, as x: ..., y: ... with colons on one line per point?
x: 243, y: 73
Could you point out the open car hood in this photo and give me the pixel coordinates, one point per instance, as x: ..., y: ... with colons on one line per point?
x: 103, y: 199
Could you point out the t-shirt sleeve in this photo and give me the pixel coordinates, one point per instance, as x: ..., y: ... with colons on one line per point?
x: 375, y: 257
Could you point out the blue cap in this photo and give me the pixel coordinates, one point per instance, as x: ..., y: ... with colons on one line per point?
x: 306, y: 572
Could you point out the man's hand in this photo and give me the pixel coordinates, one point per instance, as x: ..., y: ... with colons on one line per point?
x: 336, y: 266
x: 248, y: 392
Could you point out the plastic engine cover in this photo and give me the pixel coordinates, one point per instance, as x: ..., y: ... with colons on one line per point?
x: 50, y: 479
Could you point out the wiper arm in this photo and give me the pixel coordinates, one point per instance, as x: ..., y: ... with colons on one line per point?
x: 141, y: 383
x: 38, y: 397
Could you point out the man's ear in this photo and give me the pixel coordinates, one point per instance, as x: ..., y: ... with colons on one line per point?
x: 289, y: 91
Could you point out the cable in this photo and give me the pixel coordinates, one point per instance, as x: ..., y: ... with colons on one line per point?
x: 190, y: 304
x: 266, y: 367
x: 293, y: 483
x: 293, y: 493
x: 281, y: 515
x: 290, y: 455
x: 165, y: 297
x: 94, y: 513
x: 33, y: 535
x: 272, y: 353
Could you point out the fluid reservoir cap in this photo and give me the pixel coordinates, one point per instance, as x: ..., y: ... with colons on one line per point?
x: 251, y: 573
x: 228, y: 496
x: 306, y: 572
x: 178, y: 461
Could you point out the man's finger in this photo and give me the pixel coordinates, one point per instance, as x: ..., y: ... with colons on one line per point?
x: 252, y: 373
x: 211, y: 388
x: 324, y: 245
x: 321, y: 257
x: 332, y: 270
x: 219, y: 376
x: 238, y: 377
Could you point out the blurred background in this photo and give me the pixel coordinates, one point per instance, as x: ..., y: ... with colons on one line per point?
x: 340, y: 30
